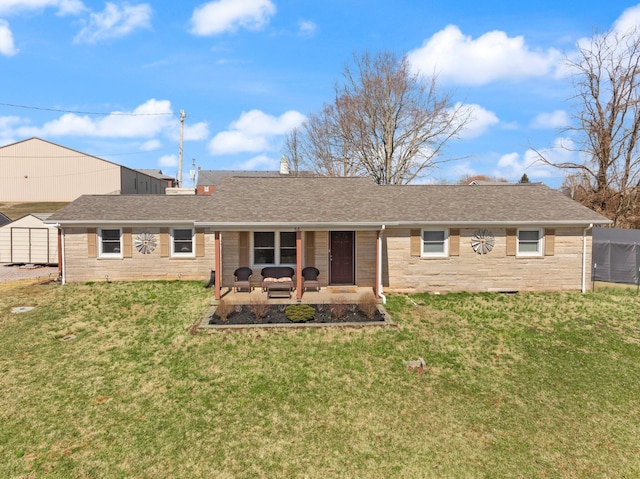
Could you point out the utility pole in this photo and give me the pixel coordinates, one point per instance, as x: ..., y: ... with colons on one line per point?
x: 183, y: 115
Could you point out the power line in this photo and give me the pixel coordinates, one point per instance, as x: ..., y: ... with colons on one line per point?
x: 27, y: 107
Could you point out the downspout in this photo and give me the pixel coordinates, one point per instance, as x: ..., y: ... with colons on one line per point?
x: 379, y: 266
x: 584, y: 258
x: 61, y: 255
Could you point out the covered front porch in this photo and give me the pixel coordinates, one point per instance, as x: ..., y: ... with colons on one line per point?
x: 349, y: 261
x: 326, y: 295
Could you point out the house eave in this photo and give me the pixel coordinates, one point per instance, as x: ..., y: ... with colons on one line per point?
x: 319, y: 226
x: 123, y: 223
x: 568, y: 223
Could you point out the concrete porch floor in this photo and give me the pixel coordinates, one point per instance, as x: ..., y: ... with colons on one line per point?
x: 327, y: 294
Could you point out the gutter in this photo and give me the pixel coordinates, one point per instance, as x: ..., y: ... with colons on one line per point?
x: 126, y: 222
x: 584, y: 258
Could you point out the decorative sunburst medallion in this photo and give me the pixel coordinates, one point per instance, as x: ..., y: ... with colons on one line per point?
x: 482, y: 241
x: 145, y: 243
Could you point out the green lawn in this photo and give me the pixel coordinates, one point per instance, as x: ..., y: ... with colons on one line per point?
x: 516, y: 386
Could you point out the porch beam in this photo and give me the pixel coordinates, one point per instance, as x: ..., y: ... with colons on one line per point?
x: 298, y: 265
x: 218, y: 266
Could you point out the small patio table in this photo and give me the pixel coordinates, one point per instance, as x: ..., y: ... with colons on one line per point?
x: 279, y: 289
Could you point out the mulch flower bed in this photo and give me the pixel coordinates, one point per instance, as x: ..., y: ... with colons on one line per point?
x: 275, y: 314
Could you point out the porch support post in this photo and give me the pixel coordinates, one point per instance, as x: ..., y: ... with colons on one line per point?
x: 376, y: 289
x: 218, y: 266
x: 298, y: 264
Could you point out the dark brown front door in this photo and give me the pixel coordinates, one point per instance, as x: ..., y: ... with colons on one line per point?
x: 341, y: 257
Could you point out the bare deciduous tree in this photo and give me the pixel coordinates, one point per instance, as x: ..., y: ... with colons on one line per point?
x: 385, y: 122
x: 606, y: 77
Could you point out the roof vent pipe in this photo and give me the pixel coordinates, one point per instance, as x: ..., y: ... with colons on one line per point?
x: 284, y: 165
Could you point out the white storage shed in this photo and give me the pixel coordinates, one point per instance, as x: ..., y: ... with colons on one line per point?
x: 28, y: 240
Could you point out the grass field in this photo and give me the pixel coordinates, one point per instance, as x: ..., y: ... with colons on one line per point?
x: 14, y: 211
x: 109, y: 381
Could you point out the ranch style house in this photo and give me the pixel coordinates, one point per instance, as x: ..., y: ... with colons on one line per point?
x: 391, y: 238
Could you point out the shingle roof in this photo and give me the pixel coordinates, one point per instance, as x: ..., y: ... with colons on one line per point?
x: 339, y: 201
x: 213, y: 177
x: 128, y: 209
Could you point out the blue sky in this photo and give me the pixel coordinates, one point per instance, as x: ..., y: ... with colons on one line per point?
x: 110, y: 78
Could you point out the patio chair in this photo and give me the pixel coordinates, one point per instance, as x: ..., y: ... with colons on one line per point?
x: 310, y: 278
x: 242, y: 279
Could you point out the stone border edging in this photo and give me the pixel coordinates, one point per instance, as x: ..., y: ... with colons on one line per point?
x: 204, y: 323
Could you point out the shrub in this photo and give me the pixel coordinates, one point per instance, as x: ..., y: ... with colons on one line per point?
x: 260, y: 307
x: 299, y: 313
x: 338, y: 308
x: 368, y: 305
x: 223, y: 310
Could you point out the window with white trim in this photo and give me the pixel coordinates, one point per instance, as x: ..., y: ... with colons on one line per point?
x: 435, y: 243
x: 274, y: 248
x: 530, y: 242
x: 110, y: 240
x: 182, y: 242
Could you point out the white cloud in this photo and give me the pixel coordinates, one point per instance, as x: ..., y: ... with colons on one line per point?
x: 260, y: 162
x: 168, y: 161
x: 256, y: 122
x: 151, y: 145
x: 513, y: 165
x: 492, y: 56
x: 65, y: 7
x: 236, y: 142
x: 7, y: 46
x: 152, y: 118
x: 7, y: 122
x: 221, y: 16
x: 555, y: 119
x: 480, y: 120
x: 307, y: 28
x: 198, y: 131
x: 115, y: 22
x: 629, y: 20
x: 7, y: 132
x: 254, y: 131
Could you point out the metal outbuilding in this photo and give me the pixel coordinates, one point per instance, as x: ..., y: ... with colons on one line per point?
x: 28, y: 240
x: 35, y: 170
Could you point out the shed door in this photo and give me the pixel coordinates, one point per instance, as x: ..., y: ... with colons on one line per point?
x: 30, y: 245
x: 341, y: 256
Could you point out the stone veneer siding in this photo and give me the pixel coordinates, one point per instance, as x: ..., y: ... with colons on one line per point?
x: 495, y: 271
x: 402, y: 273
x: 80, y: 267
